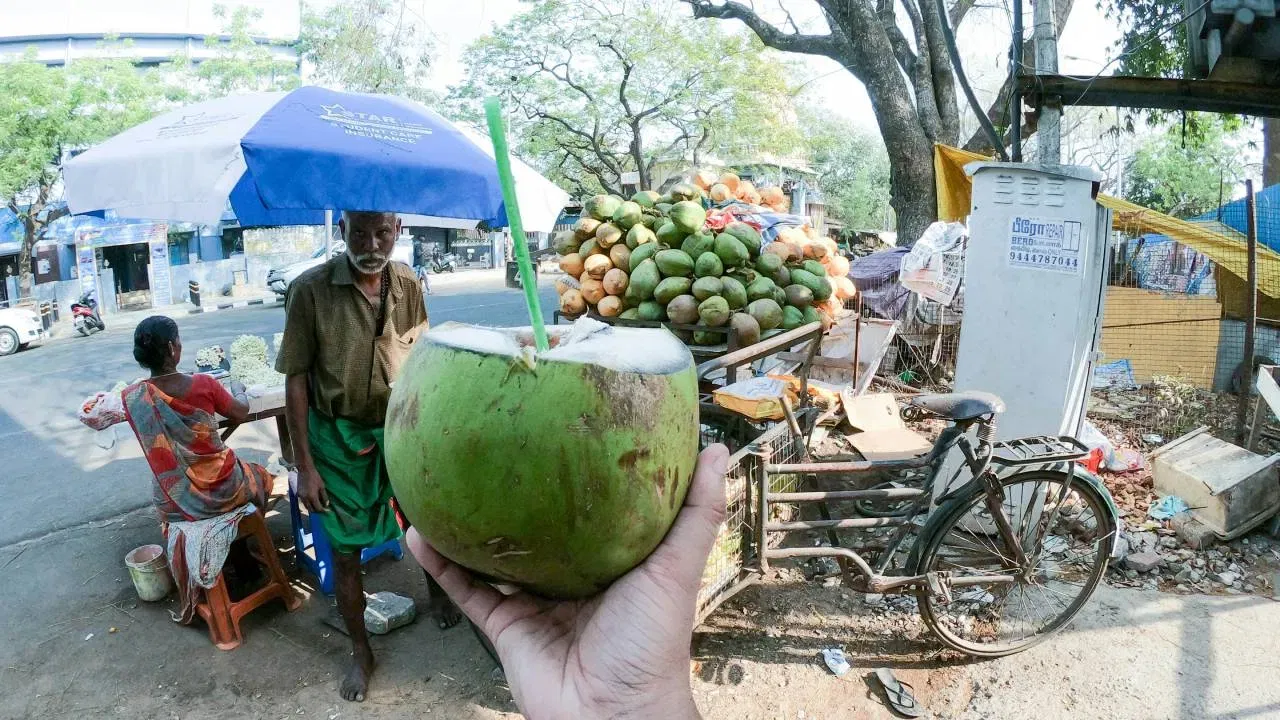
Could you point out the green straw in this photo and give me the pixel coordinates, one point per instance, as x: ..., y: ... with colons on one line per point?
x: 498, y: 133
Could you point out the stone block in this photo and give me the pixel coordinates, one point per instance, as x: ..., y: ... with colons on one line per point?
x: 1143, y: 562
x: 386, y: 611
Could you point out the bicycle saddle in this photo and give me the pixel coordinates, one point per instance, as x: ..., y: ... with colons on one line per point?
x: 960, y: 406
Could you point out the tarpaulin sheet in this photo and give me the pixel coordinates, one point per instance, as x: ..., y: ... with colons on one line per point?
x: 1218, y: 242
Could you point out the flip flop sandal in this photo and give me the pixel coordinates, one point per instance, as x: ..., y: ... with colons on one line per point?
x: 898, y: 694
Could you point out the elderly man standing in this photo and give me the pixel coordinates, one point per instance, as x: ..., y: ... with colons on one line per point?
x: 349, y: 325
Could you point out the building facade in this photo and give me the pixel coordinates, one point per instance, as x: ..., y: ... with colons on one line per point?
x: 132, y: 264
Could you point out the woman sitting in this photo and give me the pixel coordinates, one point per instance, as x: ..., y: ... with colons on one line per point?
x: 197, y: 478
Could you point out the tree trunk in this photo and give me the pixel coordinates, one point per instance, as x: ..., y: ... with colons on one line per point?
x: 1270, y: 151
x: 25, y: 280
x: 637, y: 154
x: 912, y: 191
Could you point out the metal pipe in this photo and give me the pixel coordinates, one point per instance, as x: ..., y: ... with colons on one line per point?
x: 828, y: 468
x: 1015, y: 97
x: 857, y: 341
x: 886, y: 494
x: 328, y: 234
x: 843, y: 524
x: 815, y: 552
x: 1251, y: 321
x: 966, y: 580
x: 1241, y: 26
x: 761, y: 349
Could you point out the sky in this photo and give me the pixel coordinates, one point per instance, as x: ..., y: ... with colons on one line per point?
x: 1085, y: 46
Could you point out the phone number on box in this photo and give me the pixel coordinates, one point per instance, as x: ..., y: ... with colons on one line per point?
x: 1042, y: 259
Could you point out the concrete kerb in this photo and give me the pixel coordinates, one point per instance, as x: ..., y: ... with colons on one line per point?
x: 272, y: 300
x: 125, y: 320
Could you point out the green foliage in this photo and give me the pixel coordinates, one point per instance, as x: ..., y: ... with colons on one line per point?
x: 595, y: 90
x: 1185, y: 175
x: 45, y: 113
x: 240, y: 64
x: 367, y: 46
x: 1141, y: 20
x: 853, y: 169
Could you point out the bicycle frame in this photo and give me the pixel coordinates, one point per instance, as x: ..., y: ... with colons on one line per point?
x: 1022, y: 452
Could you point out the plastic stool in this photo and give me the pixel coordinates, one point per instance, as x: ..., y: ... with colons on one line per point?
x: 310, y: 536
x: 221, y: 614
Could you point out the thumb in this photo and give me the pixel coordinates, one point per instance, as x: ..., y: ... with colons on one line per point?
x: 682, y: 555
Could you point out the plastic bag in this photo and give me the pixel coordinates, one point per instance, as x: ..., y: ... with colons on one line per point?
x: 1093, y: 439
x: 935, y: 266
x: 102, y: 410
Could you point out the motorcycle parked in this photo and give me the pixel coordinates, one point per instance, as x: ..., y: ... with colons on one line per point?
x: 447, y: 262
x: 84, y: 313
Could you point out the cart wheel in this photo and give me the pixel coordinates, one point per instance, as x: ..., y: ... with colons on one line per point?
x: 484, y: 643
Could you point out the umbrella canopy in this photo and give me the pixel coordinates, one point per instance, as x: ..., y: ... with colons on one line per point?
x: 283, y: 158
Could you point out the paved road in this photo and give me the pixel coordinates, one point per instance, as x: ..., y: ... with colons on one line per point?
x: 55, y: 473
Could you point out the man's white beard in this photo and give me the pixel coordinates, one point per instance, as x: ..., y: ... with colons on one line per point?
x: 365, y: 263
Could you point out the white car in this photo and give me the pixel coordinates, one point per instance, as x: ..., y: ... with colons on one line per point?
x: 278, y: 279
x: 19, y: 328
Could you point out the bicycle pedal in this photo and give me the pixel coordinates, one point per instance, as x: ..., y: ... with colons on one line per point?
x: 939, y: 588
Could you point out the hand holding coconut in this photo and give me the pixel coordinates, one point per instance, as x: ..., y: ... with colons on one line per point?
x: 621, y: 653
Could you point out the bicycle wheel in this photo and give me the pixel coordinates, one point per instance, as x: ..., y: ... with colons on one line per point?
x: 1066, y: 562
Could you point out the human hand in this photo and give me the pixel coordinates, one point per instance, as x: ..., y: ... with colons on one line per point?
x: 311, y: 490
x: 621, y: 654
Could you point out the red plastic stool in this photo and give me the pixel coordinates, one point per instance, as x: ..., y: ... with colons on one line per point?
x: 221, y: 614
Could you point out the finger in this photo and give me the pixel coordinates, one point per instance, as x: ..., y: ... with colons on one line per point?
x: 682, y: 555
x: 477, y: 600
x: 322, y: 496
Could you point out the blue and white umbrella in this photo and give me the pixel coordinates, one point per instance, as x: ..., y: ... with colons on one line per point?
x: 284, y: 158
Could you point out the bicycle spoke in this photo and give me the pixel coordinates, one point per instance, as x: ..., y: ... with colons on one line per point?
x: 1062, y: 535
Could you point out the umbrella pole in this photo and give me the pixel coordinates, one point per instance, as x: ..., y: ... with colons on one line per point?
x: 328, y: 234
x: 498, y: 134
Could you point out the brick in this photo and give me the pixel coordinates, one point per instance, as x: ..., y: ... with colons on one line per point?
x: 1143, y: 562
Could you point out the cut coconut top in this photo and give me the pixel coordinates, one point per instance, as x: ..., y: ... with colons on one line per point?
x: 621, y: 349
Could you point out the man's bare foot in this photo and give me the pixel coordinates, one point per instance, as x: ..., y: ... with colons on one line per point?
x: 355, y: 683
x: 444, y: 611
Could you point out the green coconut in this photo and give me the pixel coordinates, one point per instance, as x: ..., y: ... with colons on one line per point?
x: 688, y: 216
x: 627, y: 214
x: 645, y: 198
x: 602, y: 207
x: 587, y: 449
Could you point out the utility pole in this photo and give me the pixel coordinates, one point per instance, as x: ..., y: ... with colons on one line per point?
x: 1049, y: 134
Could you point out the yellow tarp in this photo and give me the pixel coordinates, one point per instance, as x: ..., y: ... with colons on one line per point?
x: 1219, y: 243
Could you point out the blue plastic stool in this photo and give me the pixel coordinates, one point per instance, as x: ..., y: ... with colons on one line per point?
x: 308, y: 535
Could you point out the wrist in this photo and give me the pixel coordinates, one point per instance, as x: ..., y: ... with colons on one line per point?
x: 671, y: 703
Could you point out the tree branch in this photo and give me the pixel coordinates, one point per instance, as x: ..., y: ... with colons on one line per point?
x: 959, y: 10
x: 944, y: 86
x: 768, y: 34
x: 901, y: 48
x: 922, y: 76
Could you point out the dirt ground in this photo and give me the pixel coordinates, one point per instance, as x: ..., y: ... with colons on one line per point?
x: 1131, y: 653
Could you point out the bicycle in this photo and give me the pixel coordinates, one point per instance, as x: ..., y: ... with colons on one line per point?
x: 997, y: 563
